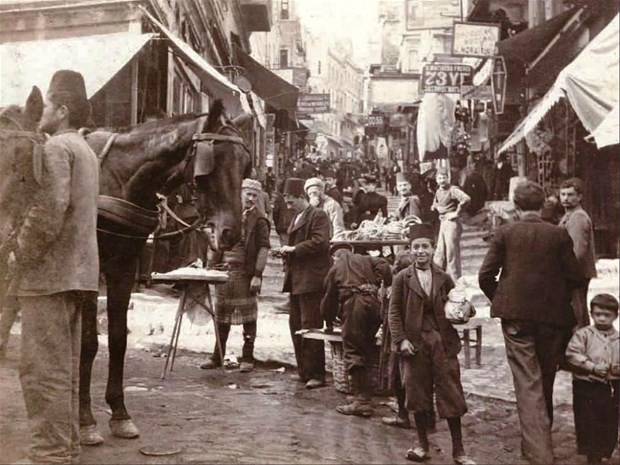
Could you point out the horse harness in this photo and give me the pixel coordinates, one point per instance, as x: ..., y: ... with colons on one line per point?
x: 143, y: 222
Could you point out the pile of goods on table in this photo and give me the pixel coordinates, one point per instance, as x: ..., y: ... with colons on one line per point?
x: 378, y: 230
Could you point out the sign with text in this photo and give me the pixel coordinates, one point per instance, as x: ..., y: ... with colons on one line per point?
x: 474, y: 39
x: 375, y: 121
x: 484, y: 93
x: 445, y: 78
x: 313, y: 103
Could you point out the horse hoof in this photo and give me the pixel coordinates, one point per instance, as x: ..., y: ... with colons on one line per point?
x: 125, y: 429
x: 89, y: 436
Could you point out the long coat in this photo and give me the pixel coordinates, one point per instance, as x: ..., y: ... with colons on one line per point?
x: 406, y: 310
x: 538, y: 270
x: 308, y: 265
x: 57, y: 242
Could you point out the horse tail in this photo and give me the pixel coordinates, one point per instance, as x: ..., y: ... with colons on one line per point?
x: 216, y: 111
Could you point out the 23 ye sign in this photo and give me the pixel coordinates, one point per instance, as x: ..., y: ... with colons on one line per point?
x: 446, y: 78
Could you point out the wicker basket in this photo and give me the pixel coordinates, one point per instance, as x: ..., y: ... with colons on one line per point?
x: 342, y: 380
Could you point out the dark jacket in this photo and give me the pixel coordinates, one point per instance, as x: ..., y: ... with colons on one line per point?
x: 282, y: 216
x: 308, y: 265
x: 372, y: 203
x: 346, y: 275
x: 406, y: 309
x: 538, y: 269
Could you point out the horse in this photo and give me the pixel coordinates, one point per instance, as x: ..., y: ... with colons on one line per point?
x: 136, y: 164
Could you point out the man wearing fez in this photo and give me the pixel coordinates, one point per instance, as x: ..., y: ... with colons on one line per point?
x: 235, y: 302
x: 579, y: 227
x: 351, y: 289
x: 532, y: 297
x: 56, y: 270
x: 450, y: 203
x: 307, y: 262
x: 315, y: 190
x: 428, y: 345
x: 368, y: 202
x: 410, y: 204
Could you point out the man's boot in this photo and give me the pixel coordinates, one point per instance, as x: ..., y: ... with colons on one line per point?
x: 362, y: 403
x: 217, y: 358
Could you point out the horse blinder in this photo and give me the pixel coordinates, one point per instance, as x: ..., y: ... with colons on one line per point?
x: 204, y: 161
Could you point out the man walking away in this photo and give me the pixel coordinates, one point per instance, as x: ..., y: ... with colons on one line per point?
x: 532, y: 298
x: 579, y: 226
x: 57, y: 266
x: 307, y: 262
x: 236, y: 299
x: 449, y: 202
x: 351, y: 288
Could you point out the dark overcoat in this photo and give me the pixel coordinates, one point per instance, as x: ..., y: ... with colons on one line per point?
x: 538, y: 270
x: 406, y: 309
x: 308, y: 265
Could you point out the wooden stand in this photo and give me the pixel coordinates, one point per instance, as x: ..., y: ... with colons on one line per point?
x: 188, y: 298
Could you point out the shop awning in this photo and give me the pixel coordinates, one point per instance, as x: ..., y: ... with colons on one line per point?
x: 276, y: 91
x: 97, y: 57
x: 608, y: 132
x: 234, y: 100
x: 590, y: 82
x: 525, y: 46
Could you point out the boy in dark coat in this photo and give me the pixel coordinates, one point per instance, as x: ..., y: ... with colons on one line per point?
x: 428, y: 344
x: 352, y: 285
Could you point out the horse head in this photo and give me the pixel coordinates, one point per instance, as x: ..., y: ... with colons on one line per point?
x: 18, y: 159
x: 222, y: 161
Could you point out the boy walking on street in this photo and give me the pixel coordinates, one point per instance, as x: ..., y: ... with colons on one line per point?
x: 450, y: 203
x: 428, y: 344
x: 594, y: 354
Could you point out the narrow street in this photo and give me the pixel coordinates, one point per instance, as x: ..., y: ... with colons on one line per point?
x: 265, y: 417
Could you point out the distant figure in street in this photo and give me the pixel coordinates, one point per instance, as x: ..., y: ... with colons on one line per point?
x: 351, y: 293
x: 476, y: 188
x: 410, y: 204
x: 579, y: 226
x: 532, y: 297
x: 594, y: 354
x: 450, y: 203
x: 270, y: 182
x: 502, y: 172
x: 332, y: 189
x: 282, y: 215
x: 307, y: 262
x: 368, y: 202
x: 315, y: 190
x: 56, y: 271
x: 429, y: 346
x: 235, y: 302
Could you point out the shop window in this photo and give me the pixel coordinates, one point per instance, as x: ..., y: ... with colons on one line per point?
x: 284, y: 10
x: 283, y: 58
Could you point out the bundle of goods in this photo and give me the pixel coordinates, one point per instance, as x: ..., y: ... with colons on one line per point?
x: 378, y: 230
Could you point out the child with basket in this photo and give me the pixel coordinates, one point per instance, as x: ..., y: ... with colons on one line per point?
x: 428, y: 344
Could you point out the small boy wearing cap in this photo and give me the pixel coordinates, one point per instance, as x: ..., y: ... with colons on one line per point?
x: 594, y: 354
x: 428, y: 345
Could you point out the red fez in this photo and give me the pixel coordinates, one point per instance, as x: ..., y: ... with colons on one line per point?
x: 421, y: 231
x: 68, y: 82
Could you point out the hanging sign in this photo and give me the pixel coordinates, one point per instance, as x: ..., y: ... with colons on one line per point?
x: 474, y: 39
x: 484, y: 93
x: 445, y: 78
x: 498, y: 84
x: 311, y: 104
x: 375, y: 121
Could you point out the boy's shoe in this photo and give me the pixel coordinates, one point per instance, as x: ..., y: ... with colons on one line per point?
x: 210, y: 364
x: 315, y: 383
x: 397, y: 421
x: 357, y: 408
x: 417, y: 454
x: 463, y: 459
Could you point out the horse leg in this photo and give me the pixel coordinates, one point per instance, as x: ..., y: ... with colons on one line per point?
x: 119, y: 284
x: 89, y: 436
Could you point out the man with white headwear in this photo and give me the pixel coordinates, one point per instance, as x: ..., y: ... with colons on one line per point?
x: 315, y: 190
x: 235, y: 301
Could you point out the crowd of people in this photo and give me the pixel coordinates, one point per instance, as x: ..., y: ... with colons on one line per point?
x: 535, y: 273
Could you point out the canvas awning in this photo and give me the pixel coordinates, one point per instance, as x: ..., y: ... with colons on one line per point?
x: 608, y: 132
x: 590, y: 82
x: 276, y: 91
x: 234, y: 100
x: 98, y: 58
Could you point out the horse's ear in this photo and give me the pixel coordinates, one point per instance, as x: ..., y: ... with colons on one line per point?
x: 34, y: 105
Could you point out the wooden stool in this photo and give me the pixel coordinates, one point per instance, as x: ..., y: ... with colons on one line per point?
x: 469, y: 343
